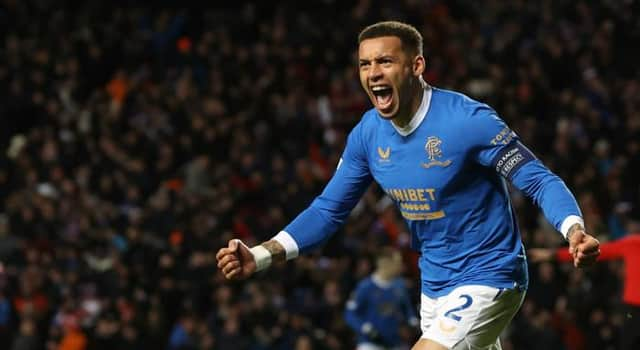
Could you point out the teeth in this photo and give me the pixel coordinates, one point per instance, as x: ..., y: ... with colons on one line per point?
x: 379, y: 88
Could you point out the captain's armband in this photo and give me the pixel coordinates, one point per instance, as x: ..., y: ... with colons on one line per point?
x: 511, y: 158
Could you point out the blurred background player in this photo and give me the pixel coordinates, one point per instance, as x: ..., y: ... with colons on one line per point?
x: 627, y: 250
x: 380, y: 305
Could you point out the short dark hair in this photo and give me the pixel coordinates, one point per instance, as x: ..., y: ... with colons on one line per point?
x: 410, y: 37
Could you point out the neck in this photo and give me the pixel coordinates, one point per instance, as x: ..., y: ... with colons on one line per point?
x: 382, y: 276
x: 403, y: 118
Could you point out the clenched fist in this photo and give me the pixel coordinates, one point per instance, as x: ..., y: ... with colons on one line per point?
x: 236, y: 261
x: 584, y: 248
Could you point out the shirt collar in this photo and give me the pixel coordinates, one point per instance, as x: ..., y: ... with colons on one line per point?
x: 417, y: 118
x: 381, y: 283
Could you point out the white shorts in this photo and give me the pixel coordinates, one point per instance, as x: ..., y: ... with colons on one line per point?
x: 470, y: 317
x: 369, y: 346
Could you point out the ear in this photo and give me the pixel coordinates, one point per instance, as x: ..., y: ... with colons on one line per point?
x: 419, y: 65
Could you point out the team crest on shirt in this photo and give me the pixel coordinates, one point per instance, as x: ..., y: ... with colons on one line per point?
x: 434, y: 153
x: 384, y: 154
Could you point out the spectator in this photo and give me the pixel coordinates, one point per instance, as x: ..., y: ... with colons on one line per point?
x: 561, y: 72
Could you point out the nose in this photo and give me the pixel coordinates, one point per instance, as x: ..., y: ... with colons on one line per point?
x: 375, y: 73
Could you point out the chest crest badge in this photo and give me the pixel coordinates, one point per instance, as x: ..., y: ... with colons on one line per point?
x: 434, y: 153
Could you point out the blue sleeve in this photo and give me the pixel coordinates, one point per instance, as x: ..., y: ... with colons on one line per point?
x: 496, y: 146
x: 408, y: 308
x: 548, y: 191
x: 329, y: 210
x: 353, y: 313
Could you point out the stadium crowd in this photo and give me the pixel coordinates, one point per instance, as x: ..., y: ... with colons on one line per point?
x: 137, y: 138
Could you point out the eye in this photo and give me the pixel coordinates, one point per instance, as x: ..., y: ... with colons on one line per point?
x: 384, y: 61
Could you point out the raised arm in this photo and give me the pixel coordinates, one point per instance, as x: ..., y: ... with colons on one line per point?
x: 498, y: 147
x: 314, y: 225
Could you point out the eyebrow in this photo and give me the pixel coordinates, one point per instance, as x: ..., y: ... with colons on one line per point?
x: 378, y: 58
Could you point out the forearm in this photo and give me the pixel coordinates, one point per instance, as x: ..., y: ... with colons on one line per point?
x: 309, y: 230
x: 353, y: 319
x: 268, y: 253
x: 550, y: 194
x: 313, y: 227
x: 353, y: 312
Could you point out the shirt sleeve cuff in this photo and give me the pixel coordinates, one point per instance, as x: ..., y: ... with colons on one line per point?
x: 289, y: 244
x: 568, y: 222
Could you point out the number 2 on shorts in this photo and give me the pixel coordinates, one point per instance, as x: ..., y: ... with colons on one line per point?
x: 467, y: 302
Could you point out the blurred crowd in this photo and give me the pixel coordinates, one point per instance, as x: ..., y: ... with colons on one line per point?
x: 139, y: 137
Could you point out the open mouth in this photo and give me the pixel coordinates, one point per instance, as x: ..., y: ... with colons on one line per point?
x: 383, y: 95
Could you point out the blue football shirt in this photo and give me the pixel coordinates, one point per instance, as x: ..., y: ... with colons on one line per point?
x: 446, y: 175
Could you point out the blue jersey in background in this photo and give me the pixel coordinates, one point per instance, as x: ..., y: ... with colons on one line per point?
x: 386, y: 306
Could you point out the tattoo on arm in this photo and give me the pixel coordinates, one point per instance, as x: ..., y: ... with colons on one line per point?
x: 575, y: 227
x: 278, y: 253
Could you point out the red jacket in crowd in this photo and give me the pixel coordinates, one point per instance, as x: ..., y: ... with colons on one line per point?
x: 626, y: 249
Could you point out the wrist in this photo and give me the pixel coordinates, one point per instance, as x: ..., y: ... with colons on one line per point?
x: 262, y: 257
x: 568, y: 223
x: 573, y: 229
